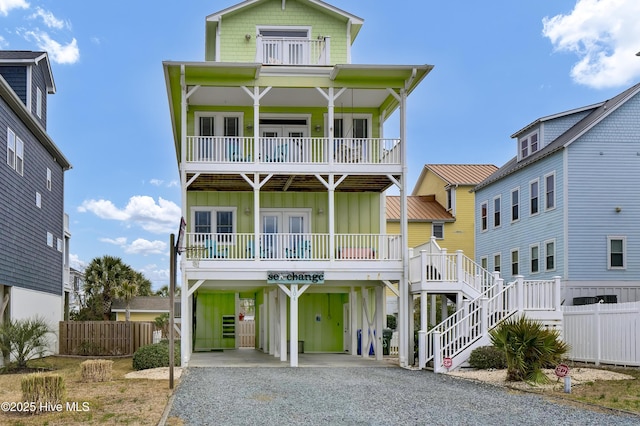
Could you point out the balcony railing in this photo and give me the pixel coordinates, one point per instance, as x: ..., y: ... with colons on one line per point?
x: 290, y: 246
x: 292, y: 51
x: 235, y: 149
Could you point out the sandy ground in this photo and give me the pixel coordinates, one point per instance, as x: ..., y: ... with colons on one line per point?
x: 579, y: 375
x: 161, y: 373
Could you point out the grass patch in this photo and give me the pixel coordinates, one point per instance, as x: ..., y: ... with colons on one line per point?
x: 121, y: 401
x: 617, y: 394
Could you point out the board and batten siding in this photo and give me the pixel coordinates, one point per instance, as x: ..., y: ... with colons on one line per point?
x: 355, y: 212
x: 27, y: 261
x: 603, y: 173
x: 528, y: 230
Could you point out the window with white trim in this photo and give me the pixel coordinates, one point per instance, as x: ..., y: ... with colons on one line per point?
x: 515, y: 204
x: 219, y: 221
x: 38, y: 200
x: 550, y: 191
x: 484, y: 263
x: 515, y: 261
x: 616, y: 252
x: 550, y: 255
x: 49, y: 239
x: 450, y: 200
x: 528, y: 145
x: 497, y: 201
x: 534, y: 258
x: 39, y: 102
x: 497, y: 259
x: 49, y: 179
x: 534, y: 196
x: 437, y: 230
x: 484, y: 208
x: 59, y: 244
x: 15, y: 152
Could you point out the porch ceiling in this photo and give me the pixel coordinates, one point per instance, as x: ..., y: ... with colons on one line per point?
x: 289, y: 97
x: 291, y: 183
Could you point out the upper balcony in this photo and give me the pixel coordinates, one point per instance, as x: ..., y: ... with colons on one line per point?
x: 293, y: 51
x: 309, y: 154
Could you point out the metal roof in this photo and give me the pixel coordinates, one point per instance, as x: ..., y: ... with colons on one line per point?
x: 420, y: 208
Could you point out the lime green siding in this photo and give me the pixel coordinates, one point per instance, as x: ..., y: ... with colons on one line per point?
x: 320, y: 321
x: 355, y: 212
x: 210, y: 307
x: 235, y: 47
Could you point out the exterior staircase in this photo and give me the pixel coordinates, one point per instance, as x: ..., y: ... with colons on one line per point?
x: 483, y: 302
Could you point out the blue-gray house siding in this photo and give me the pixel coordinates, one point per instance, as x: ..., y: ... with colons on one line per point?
x: 604, y: 173
x: 595, y: 155
x: 16, y: 76
x: 527, y: 230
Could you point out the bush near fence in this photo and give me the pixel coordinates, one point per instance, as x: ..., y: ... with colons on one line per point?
x: 103, y: 338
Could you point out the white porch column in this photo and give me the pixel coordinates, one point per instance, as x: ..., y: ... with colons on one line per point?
x: 443, y: 307
x: 407, y: 345
x: 332, y: 217
x: 433, y: 311
x: 293, y: 325
x: 378, y: 319
x: 185, y: 323
x: 282, y: 305
x: 353, y: 313
x: 272, y: 312
x: 364, y: 335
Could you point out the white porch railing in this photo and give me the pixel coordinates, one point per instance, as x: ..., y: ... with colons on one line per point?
x: 292, y: 246
x: 469, y: 326
x: 293, y: 51
x: 232, y: 149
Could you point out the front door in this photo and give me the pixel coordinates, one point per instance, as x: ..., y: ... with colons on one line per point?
x: 284, y: 142
x: 283, y: 233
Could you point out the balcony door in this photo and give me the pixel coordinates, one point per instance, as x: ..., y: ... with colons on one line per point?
x: 283, y: 140
x: 283, y: 233
x: 285, y: 46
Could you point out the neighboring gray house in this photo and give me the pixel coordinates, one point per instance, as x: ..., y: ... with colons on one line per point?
x: 34, y: 232
x: 568, y: 204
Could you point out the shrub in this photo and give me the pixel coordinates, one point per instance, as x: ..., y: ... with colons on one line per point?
x: 392, y: 322
x: 24, y: 339
x: 38, y: 388
x: 528, y: 347
x: 97, y: 370
x: 154, y: 356
x: 488, y: 357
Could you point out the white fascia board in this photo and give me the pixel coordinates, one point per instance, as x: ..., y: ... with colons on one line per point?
x: 554, y: 116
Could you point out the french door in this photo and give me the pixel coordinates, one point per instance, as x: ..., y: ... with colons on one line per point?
x: 284, y: 143
x: 282, y: 233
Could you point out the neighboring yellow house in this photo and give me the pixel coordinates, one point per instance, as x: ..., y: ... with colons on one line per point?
x: 143, y: 308
x: 442, y: 205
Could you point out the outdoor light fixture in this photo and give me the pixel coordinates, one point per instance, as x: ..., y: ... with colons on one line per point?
x: 320, y: 211
x: 247, y: 36
x: 318, y: 127
x: 247, y: 211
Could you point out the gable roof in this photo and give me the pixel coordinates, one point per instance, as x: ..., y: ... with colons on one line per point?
x: 27, y: 57
x: 420, y: 208
x: 356, y: 22
x: 599, y: 112
x: 20, y: 110
x: 457, y: 174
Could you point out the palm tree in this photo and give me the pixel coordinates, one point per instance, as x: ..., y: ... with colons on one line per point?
x: 102, y: 276
x: 126, y: 291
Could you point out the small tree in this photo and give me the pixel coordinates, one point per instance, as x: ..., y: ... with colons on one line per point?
x: 126, y: 291
x: 528, y: 347
x: 162, y: 323
x: 24, y: 339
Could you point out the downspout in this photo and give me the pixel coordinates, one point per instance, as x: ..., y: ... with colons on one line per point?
x: 349, y: 42
x: 217, y: 56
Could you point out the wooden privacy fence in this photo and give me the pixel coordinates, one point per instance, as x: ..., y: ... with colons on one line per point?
x: 603, y: 333
x: 104, y: 337
x: 247, y: 334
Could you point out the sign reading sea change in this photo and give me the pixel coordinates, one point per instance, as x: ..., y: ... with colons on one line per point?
x: 295, y: 277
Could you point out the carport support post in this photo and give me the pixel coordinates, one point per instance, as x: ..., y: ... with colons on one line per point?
x: 293, y: 334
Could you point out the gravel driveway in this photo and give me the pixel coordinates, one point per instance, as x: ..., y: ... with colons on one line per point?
x: 363, y: 396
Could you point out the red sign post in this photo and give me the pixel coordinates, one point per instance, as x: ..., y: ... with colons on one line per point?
x: 562, y: 370
x: 447, y: 362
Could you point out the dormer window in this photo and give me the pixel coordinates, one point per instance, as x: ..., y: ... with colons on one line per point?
x: 528, y: 145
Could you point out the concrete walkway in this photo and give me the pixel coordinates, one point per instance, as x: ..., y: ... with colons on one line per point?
x: 254, y: 358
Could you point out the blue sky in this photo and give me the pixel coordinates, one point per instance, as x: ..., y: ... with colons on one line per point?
x: 499, y: 65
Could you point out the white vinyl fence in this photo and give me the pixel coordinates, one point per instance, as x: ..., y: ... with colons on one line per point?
x: 606, y: 333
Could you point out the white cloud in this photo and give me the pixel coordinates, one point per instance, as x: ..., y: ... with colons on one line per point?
x: 61, y: 54
x: 138, y: 246
x: 156, y: 182
x: 7, y: 5
x: 173, y: 184
x: 605, y: 36
x: 160, y: 218
x: 49, y: 19
x: 3, y: 43
x: 76, y: 263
